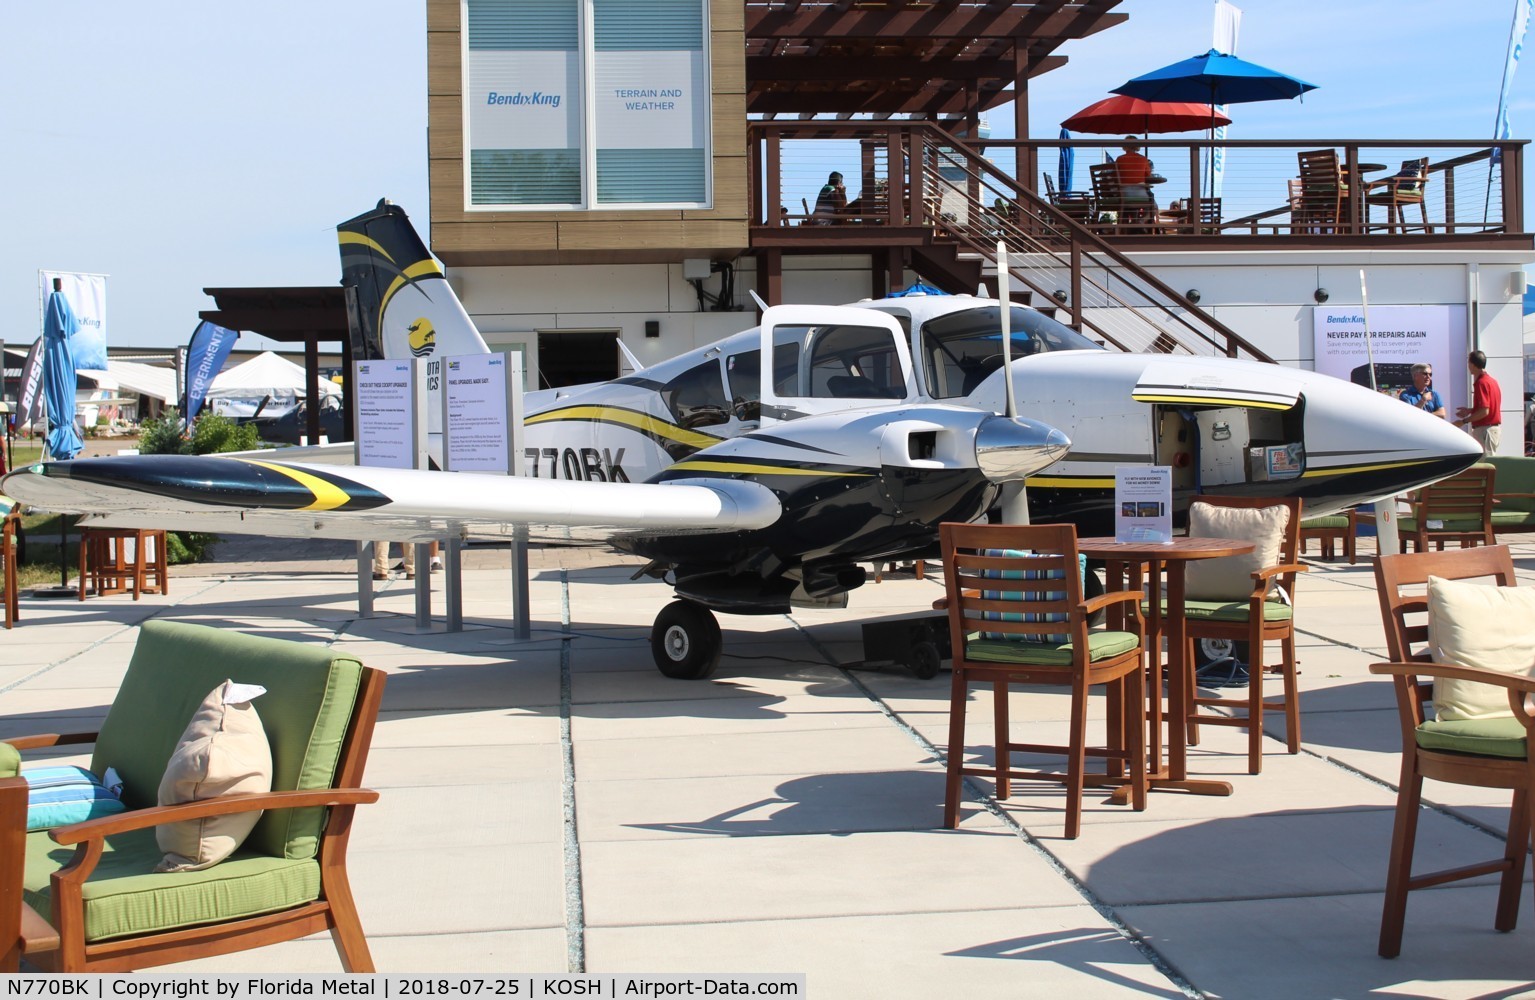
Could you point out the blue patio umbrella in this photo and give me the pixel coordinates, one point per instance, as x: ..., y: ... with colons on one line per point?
x: 1215, y: 78
x: 59, y: 324
x: 1064, y: 170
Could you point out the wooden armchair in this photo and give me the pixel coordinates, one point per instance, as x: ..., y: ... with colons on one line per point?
x: 1131, y: 214
x: 1457, y: 509
x: 1406, y: 187
x: 87, y: 894
x: 1328, y: 531
x: 1488, y: 753
x: 1254, y: 616
x: 1323, y: 189
x: 1078, y: 206
x: 1005, y: 630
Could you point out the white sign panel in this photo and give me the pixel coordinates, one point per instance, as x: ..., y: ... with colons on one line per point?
x: 524, y: 100
x: 87, y: 296
x: 386, y: 411
x: 1399, y: 337
x: 651, y: 100
x: 1143, y: 503
x: 475, y: 423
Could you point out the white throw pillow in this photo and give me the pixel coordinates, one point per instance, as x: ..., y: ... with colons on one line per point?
x: 1477, y: 625
x: 1230, y: 577
x: 224, y: 751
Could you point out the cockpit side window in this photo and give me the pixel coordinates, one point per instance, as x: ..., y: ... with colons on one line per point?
x: 844, y: 362
x: 961, y: 349
x: 696, y: 398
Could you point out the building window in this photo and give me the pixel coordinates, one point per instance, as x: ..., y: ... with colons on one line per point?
x: 573, y: 104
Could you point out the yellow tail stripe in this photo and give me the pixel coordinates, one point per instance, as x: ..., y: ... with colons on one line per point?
x: 416, y: 270
x: 765, y: 470
x: 327, y: 496
x: 361, y: 240
x: 629, y: 418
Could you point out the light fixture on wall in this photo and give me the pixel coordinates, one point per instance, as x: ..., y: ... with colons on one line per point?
x: 1517, y: 283
x: 652, y: 328
x: 1321, y: 295
x: 1193, y: 295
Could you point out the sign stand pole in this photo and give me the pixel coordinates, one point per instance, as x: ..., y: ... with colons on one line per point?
x: 423, y: 461
x: 522, y: 624
x: 365, y: 579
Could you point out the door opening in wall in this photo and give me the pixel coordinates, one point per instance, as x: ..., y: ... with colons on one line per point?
x: 572, y: 357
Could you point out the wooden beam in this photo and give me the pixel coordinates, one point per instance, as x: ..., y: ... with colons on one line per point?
x: 940, y: 21
x: 796, y: 69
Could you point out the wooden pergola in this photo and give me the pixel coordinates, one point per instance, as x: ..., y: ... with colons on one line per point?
x: 293, y: 316
x: 943, y: 60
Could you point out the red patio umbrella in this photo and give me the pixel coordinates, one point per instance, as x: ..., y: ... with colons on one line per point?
x: 1120, y: 114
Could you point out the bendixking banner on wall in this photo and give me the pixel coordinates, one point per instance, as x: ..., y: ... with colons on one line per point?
x: 87, y: 296
x: 1399, y: 337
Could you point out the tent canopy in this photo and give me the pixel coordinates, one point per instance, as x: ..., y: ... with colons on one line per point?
x: 133, y: 377
x: 266, y: 374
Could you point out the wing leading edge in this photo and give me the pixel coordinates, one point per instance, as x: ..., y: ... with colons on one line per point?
x: 259, y: 496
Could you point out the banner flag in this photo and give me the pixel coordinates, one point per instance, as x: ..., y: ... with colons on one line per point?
x: 1228, y: 21
x: 206, y: 353
x: 29, y: 402
x: 87, y: 296
x: 1500, y: 130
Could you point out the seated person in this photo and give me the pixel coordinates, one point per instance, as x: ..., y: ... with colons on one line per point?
x: 832, y: 199
x: 1134, y: 170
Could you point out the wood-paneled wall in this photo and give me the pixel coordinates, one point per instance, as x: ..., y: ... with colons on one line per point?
x: 481, y: 238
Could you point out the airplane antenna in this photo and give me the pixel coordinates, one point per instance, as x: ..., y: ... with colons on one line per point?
x: 1005, y: 294
x: 757, y: 299
x: 634, y: 363
x: 1369, y: 347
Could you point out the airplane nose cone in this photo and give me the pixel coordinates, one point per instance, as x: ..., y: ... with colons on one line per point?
x: 1007, y: 449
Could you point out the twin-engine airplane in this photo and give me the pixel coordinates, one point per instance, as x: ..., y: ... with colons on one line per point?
x: 763, y: 470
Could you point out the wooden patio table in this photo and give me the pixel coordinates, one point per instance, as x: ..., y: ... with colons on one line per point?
x: 1152, y: 562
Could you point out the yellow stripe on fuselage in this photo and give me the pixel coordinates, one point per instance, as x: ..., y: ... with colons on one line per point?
x: 1065, y: 483
x: 1347, y: 470
x: 327, y: 496
x: 1207, y: 400
x: 761, y: 470
x: 629, y: 418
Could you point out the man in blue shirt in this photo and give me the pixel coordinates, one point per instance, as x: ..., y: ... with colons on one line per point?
x: 1421, y: 393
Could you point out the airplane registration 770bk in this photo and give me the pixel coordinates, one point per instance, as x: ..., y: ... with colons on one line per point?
x: 767, y: 468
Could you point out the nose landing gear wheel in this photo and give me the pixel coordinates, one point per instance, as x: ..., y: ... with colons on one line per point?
x: 685, y: 641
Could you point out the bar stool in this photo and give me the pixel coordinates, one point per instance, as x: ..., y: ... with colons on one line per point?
x: 11, y: 596
x: 107, y: 565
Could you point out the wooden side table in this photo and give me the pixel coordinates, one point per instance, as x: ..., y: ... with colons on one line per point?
x: 109, y: 566
x: 12, y: 592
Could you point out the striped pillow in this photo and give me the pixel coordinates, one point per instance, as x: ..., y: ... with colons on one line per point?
x: 58, y: 796
x: 1025, y: 595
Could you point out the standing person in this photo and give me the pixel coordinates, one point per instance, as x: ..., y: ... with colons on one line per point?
x: 1485, y: 414
x: 1421, y: 393
x: 832, y: 199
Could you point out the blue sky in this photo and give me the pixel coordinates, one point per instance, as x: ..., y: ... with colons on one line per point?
x: 183, y: 145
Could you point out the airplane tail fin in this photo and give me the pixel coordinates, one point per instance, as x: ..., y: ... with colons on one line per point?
x: 404, y: 305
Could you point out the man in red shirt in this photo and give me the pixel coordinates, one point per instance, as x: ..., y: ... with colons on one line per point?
x: 1485, y: 414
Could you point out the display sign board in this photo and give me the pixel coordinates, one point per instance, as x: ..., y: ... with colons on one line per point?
x: 387, y: 426
x: 1399, y: 337
x: 1143, y: 503
x: 476, y: 418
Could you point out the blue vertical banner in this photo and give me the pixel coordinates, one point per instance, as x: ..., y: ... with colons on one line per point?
x: 1522, y: 10
x: 1228, y: 22
x: 206, y: 353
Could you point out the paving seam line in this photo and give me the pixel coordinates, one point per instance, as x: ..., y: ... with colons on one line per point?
x: 1154, y: 958
x: 575, y: 906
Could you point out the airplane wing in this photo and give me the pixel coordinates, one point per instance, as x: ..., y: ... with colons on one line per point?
x: 286, y: 499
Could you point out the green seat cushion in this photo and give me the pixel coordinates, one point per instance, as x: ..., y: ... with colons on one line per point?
x: 306, y: 709
x: 10, y: 761
x: 1513, y: 519
x: 1445, y: 524
x: 1499, y: 737
x: 1228, y: 611
x: 1331, y: 521
x: 1100, y: 645
x: 1515, y: 474
x: 124, y: 896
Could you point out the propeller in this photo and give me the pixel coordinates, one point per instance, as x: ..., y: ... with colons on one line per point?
x: 1015, y: 501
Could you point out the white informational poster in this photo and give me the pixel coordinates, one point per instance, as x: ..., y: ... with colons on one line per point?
x: 1399, y: 337
x: 475, y: 418
x: 524, y: 99
x: 386, y: 413
x: 1143, y: 503
x: 652, y: 99
x: 87, y: 296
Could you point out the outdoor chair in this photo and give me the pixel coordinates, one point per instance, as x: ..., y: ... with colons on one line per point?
x: 1403, y: 188
x: 88, y: 896
x: 123, y: 560
x: 1246, y: 599
x: 1457, y: 509
x: 1322, y: 192
x: 1132, y: 214
x: 10, y: 597
x: 1328, y: 531
x: 1017, y: 616
x: 1078, y: 206
x: 1487, y: 752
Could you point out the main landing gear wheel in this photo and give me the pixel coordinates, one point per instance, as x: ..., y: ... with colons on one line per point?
x: 685, y: 641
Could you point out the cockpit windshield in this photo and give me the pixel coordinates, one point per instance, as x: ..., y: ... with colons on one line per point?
x: 959, y: 350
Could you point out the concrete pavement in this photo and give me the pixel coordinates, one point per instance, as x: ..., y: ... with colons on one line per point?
x: 557, y: 805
